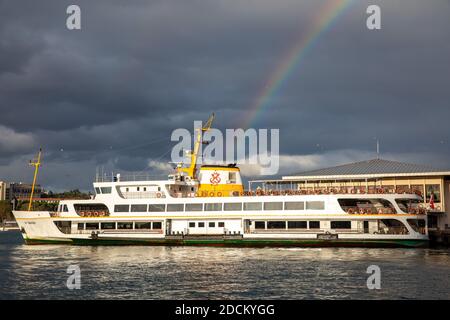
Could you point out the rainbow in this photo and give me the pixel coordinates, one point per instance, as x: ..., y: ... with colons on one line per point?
x: 321, y: 23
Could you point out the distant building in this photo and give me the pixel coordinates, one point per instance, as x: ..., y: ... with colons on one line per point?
x: 3, y: 187
x: 11, y: 190
x: 378, y: 175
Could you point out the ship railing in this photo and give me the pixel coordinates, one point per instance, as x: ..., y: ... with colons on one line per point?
x: 90, y: 214
x: 392, y: 230
x: 373, y: 210
x: 284, y: 192
x: 143, y: 195
x: 120, y: 231
x: 280, y: 230
x: 128, y: 177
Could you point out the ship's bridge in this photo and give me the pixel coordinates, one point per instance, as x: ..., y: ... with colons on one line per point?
x: 143, y: 186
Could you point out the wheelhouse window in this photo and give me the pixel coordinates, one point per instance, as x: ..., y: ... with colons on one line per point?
x: 175, y: 207
x: 97, y: 190
x: 156, y: 207
x: 410, y: 205
x: 122, y: 208
x: 315, y: 205
x: 106, y: 190
x: 294, y: 205
x: 341, y: 224
x: 297, y: 225
x: 276, y: 224
x: 194, y: 207
x: 367, y: 206
x: 213, y: 206
x: 124, y: 225
x: 273, y: 205
x: 232, y: 206
x: 250, y: 206
x: 138, y: 208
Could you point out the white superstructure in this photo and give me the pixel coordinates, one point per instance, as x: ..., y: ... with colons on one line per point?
x: 208, y: 206
x: 171, y: 212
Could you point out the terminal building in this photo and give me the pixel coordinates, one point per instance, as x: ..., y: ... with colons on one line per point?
x: 376, y: 176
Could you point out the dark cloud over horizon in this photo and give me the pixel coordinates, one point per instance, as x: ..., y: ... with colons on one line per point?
x: 111, y: 94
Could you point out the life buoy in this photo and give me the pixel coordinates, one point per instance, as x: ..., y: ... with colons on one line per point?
x: 158, y: 194
x: 197, y: 194
x: 350, y: 211
x: 212, y: 194
x: 219, y: 194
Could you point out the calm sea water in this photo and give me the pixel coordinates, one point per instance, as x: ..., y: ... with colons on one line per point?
x: 40, y: 272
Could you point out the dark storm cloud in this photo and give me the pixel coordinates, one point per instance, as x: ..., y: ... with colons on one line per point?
x: 110, y: 94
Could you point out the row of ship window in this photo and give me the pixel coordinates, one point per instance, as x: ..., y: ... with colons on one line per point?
x: 300, y: 224
x: 230, y: 206
x: 210, y: 224
x: 127, y: 225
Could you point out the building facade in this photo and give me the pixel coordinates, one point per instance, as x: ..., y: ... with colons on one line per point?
x: 3, y: 187
x: 9, y: 191
x: 378, y: 176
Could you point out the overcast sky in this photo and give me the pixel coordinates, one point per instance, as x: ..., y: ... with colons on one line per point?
x: 111, y: 94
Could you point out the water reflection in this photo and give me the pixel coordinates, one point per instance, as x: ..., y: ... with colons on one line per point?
x: 220, y: 273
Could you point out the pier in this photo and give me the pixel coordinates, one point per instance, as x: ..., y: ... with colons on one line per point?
x: 439, y: 238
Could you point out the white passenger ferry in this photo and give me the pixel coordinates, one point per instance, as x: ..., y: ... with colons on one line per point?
x: 207, y: 205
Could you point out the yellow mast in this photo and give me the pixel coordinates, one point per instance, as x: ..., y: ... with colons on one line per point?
x: 36, y: 163
x: 190, y: 171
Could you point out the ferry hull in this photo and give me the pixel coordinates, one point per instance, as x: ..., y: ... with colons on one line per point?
x: 355, y: 243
